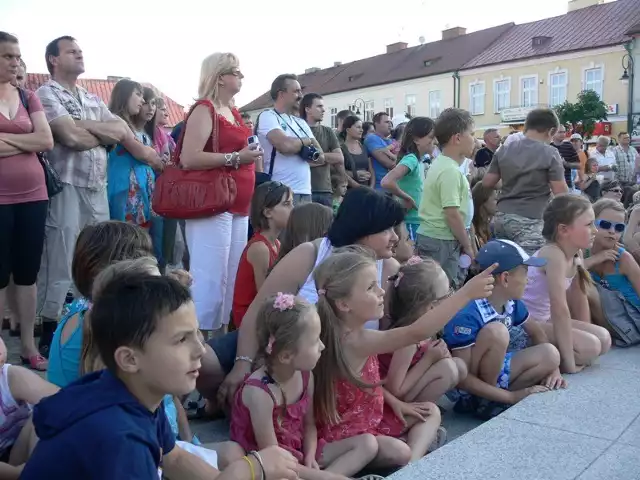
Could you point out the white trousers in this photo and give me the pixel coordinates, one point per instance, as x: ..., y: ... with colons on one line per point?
x: 215, y: 247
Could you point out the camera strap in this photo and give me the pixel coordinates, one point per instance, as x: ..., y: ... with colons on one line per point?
x: 289, y: 125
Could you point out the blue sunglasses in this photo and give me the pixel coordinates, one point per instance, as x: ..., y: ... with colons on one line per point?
x: 607, y: 225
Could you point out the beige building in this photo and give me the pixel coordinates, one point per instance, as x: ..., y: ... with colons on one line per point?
x: 546, y: 62
x: 420, y: 80
x: 498, y: 74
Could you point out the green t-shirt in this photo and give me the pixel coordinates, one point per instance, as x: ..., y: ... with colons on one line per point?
x: 411, y: 184
x: 321, y: 176
x: 445, y: 186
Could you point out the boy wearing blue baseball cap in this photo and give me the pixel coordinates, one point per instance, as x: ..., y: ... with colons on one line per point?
x: 508, y: 356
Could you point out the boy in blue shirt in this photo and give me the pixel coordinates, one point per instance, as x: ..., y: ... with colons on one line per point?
x: 507, y: 353
x: 111, y: 424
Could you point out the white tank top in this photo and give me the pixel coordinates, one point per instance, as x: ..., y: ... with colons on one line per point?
x: 309, y: 291
x: 13, y: 414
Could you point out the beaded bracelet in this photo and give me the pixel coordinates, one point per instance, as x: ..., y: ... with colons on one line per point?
x: 243, y: 358
x: 257, y: 456
x: 253, y: 472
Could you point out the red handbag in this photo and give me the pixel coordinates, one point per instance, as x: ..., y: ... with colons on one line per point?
x: 186, y: 194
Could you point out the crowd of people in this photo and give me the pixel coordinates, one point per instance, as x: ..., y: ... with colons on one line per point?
x: 345, y: 287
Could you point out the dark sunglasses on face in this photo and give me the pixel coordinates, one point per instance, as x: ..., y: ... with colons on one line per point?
x: 607, y: 225
x: 615, y: 190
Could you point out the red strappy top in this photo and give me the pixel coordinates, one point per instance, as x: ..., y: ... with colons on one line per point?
x: 245, y: 289
x: 233, y: 138
x: 288, y: 424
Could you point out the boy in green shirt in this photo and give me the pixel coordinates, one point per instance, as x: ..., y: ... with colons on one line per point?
x: 445, y: 205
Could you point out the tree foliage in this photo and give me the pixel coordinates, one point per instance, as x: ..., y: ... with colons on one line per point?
x: 584, y: 114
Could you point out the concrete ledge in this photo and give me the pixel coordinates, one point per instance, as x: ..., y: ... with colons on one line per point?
x: 590, y: 431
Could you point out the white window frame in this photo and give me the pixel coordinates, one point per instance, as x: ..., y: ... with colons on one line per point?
x: 533, y: 102
x: 410, y: 101
x: 435, y: 103
x: 472, y: 97
x: 334, y: 117
x: 497, y: 108
x: 369, y: 110
x: 585, y: 85
x: 558, y: 71
x: 388, y: 106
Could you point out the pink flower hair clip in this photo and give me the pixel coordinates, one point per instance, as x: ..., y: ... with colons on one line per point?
x: 414, y: 260
x: 269, y: 349
x: 284, y: 301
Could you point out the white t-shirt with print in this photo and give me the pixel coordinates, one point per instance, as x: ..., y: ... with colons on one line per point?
x: 291, y: 170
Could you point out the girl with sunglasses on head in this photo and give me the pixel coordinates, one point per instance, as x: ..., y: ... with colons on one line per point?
x: 610, y: 265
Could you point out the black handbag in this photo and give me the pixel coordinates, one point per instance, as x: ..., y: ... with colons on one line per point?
x: 51, y: 177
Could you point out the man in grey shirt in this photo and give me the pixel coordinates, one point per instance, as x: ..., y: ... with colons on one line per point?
x: 531, y: 171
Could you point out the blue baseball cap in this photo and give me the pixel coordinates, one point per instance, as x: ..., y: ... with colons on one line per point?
x: 507, y: 254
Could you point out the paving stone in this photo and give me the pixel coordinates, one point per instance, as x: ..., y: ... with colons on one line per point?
x: 620, y: 462
x: 622, y: 359
x: 631, y: 436
x: 503, y: 449
x: 599, y: 401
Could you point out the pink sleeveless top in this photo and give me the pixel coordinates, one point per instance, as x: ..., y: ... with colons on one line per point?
x: 536, y: 293
x: 288, y: 424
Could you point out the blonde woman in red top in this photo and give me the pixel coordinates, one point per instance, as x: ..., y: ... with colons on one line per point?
x: 216, y: 243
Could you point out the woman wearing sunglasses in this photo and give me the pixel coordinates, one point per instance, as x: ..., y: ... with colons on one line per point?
x: 612, y: 268
x: 612, y: 190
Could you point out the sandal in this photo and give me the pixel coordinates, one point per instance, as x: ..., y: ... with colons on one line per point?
x: 439, y: 441
x: 35, y: 362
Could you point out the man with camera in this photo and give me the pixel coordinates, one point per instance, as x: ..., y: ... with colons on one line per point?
x: 312, y: 112
x: 290, y: 148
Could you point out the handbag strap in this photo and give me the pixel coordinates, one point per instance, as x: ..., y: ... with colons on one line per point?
x: 273, y: 149
x: 215, y: 130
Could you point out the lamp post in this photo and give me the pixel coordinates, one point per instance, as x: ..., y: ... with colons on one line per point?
x: 628, y: 78
x: 357, y: 103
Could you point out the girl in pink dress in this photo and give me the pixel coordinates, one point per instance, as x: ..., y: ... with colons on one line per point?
x: 349, y: 399
x: 274, y: 405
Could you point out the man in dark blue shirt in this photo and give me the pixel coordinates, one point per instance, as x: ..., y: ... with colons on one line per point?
x: 111, y: 424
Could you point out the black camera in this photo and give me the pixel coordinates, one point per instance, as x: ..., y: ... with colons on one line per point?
x: 309, y: 153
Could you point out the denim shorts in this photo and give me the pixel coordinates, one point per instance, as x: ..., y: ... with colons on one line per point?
x: 225, y: 348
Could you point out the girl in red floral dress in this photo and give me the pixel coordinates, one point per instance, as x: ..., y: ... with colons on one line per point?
x: 274, y: 405
x: 349, y: 399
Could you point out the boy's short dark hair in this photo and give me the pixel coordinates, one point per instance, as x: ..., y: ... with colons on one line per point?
x: 128, y: 310
x: 452, y: 121
x: 541, y: 120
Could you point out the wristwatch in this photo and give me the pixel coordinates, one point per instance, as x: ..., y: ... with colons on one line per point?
x: 232, y: 160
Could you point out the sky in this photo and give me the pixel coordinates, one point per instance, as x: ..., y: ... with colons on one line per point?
x: 165, y: 46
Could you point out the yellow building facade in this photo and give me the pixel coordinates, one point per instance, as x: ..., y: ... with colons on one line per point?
x: 501, y: 95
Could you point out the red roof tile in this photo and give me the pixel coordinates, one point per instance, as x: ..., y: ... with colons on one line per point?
x: 592, y: 27
x: 102, y: 88
x: 416, y: 62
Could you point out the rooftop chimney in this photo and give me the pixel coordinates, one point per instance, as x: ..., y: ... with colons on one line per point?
x: 454, y: 32
x: 312, y: 70
x: 580, y: 4
x: 115, y: 78
x: 396, y: 47
x: 337, y: 64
